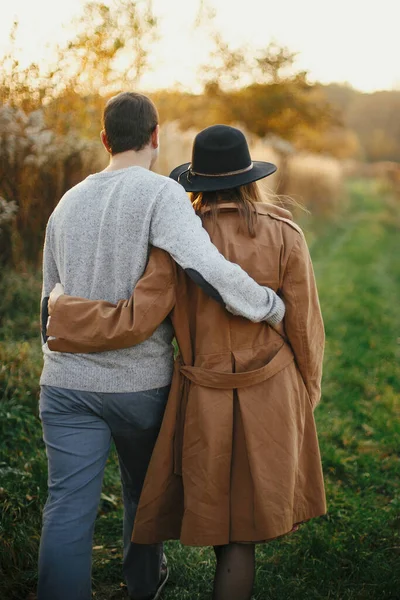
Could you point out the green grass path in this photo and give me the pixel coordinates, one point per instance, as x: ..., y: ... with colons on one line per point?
x: 353, y: 552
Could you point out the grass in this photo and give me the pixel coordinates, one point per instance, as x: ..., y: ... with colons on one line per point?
x: 351, y: 554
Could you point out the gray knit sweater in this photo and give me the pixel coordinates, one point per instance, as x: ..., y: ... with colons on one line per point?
x: 97, y: 246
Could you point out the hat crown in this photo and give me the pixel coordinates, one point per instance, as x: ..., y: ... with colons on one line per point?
x: 220, y: 149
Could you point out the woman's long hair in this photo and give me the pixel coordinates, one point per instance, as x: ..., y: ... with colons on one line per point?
x: 245, y: 196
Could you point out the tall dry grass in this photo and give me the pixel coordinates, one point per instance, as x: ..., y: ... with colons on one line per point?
x: 175, y: 147
x: 37, y: 166
x: 316, y: 182
x: 387, y: 173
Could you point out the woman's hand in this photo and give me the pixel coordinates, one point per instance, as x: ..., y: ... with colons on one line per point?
x: 56, y: 292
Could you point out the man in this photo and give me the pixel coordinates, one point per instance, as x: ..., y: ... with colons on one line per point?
x: 97, y: 245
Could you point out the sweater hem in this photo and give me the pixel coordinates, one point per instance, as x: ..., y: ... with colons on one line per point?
x: 120, y: 383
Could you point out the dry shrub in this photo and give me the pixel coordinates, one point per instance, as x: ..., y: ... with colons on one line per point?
x: 386, y: 170
x: 312, y: 180
x: 386, y: 173
x: 36, y: 169
x: 316, y: 182
x: 356, y: 169
x: 262, y: 150
x: 175, y: 147
x: 8, y: 210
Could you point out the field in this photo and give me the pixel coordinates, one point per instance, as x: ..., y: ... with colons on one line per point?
x: 351, y: 554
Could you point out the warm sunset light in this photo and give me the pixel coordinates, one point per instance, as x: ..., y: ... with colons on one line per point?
x: 345, y: 41
x: 199, y: 299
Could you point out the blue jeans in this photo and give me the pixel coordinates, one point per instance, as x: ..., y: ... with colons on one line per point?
x: 77, y: 430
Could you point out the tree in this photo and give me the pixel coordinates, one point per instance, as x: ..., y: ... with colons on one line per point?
x: 374, y: 118
x: 23, y: 88
x: 109, y: 51
x: 111, y: 46
x: 264, y: 92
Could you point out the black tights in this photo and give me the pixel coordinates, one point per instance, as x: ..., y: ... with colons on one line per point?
x: 234, y: 575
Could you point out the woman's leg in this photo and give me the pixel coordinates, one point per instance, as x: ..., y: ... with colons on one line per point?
x: 234, y: 575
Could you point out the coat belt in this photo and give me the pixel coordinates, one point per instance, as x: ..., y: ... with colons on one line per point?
x: 222, y: 381
x: 229, y: 381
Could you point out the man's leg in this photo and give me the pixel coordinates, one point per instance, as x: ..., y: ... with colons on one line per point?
x: 77, y: 444
x: 135, y: 420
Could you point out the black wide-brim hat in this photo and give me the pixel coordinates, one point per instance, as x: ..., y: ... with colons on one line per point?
x: 220, y: 161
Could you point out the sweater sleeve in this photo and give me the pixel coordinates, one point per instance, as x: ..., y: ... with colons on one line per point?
x: 80, y: 325
x: 50, y: 278
x: 176, y: 228
x: 303, y: 320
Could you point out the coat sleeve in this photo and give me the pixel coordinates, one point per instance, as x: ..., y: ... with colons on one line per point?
x: 81, y: 325
x: 303, y: 320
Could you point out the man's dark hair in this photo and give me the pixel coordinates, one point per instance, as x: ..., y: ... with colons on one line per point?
x: 129, y: 119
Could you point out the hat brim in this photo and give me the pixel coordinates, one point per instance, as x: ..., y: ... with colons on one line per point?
x: 202, y: 183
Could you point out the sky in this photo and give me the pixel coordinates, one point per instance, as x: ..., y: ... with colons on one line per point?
x: 353, y: 41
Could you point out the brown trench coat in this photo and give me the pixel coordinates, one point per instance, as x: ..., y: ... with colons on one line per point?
x: 237, y: 457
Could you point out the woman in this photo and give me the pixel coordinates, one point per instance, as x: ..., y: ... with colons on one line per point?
x: 237, y: 459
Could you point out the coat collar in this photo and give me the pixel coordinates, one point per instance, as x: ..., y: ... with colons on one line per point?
x: 262, y: 208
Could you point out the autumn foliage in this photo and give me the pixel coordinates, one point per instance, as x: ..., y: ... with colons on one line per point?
x: 50, y: 119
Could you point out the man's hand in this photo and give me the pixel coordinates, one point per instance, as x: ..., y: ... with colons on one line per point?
x: 56, y: 292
